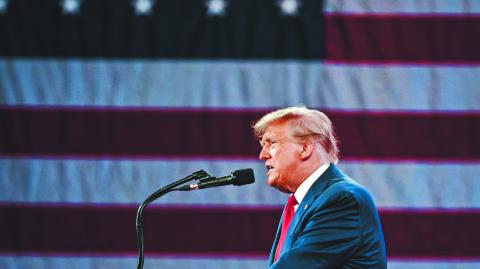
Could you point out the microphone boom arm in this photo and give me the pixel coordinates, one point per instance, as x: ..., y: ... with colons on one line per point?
x: 199, y: 175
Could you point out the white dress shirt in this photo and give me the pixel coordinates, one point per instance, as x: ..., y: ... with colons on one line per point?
x: 305, y: 186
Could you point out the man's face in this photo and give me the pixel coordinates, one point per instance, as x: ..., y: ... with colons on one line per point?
x: 282, y: 156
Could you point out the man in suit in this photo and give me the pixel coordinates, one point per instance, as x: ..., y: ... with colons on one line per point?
x: 330, y: 221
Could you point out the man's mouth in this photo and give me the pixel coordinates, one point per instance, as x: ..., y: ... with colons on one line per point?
x: 269, y: 167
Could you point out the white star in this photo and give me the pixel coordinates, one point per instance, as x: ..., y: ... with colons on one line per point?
x: 216, y: 7
x: 289, y: 7
x: 70, y: 6
x: 3, y: 6
x: 143, y: 7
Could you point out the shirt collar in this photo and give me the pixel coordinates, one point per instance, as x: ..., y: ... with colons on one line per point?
x: 307, y: 183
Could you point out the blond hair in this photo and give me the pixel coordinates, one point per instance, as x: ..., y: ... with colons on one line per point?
x: 304, y: 124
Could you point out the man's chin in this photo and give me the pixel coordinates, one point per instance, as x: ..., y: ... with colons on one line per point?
x: 271, y: 183
x: 274, y: 184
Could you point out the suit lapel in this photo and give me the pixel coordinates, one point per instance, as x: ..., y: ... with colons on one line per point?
x: 316, y: 189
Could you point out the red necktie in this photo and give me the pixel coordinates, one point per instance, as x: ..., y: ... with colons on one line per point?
x: 288, y: 213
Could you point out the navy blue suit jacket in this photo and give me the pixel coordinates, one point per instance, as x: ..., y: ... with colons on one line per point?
x: 335, y: 226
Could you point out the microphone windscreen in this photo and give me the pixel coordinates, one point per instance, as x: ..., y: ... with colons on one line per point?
x: 243, y: 177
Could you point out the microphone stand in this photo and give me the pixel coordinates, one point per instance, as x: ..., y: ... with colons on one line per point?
x: 199, y: 175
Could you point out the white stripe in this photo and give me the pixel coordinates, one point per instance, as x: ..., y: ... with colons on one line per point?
x: 119, y: 263
x: 238, y: 84
x: 125, y: 181
x: 39, y: 262
x: 416, y: 184
x: 404, y: 6
x: 405, y: 184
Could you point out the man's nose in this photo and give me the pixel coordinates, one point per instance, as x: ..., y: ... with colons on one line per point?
x: 263, y: 154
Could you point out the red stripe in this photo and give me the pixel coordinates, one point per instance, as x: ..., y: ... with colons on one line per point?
x: 402, y: 38
x: 214, y: 231
x: 99, y: 133
x: 431, y: 233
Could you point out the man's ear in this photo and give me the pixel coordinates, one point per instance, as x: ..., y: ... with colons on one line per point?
x: 307, y: 150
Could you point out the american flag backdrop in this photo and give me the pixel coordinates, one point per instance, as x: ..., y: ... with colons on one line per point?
x: 102, y: 102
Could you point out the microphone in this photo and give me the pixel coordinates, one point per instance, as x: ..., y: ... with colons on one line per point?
x: 236, y: 178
